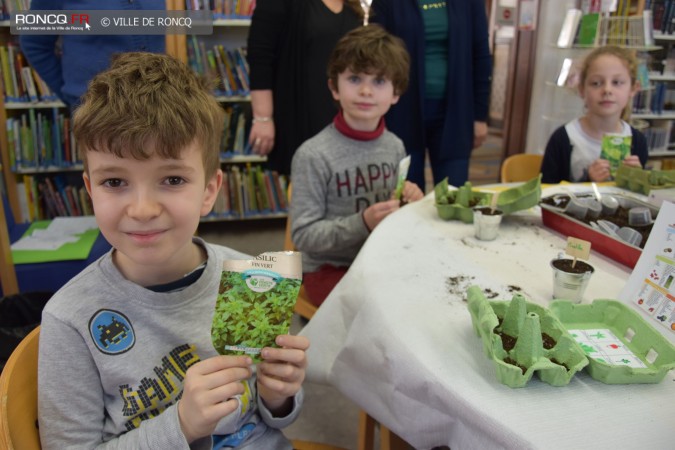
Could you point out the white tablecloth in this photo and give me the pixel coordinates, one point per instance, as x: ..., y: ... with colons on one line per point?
x: 395, y: 336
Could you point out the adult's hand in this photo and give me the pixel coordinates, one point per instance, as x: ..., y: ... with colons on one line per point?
x: 480, y: 132
x: 261, y: 137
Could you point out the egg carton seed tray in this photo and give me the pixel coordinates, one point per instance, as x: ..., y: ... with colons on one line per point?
x: 621, y: 346
x: 522, y: 338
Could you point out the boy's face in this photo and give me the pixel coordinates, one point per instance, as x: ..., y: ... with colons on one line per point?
x: 149, y: 210
x: 364, y: 98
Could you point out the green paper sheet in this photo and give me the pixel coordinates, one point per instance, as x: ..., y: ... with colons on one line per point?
x: 67, y: 252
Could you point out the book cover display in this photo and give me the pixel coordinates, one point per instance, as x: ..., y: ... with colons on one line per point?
x: 256, y: 299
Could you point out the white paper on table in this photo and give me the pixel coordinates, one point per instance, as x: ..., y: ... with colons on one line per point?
x: 651, y: 286
x: 61, y: 230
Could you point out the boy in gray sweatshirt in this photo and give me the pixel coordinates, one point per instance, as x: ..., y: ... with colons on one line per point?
x: 126, y: 358
x: 344, y: 177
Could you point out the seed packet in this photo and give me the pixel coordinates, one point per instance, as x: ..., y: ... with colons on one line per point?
x: 256, y: 299
x: 403, y: 167
x: 615, y: 148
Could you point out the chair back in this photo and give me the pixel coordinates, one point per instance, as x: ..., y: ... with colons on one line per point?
x: 521, y: 167
x: 18, y: 397
x: 303, y: 307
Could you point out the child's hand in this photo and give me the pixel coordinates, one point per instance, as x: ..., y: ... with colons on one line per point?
x: 282, y: 372
x: 411, y: 192
x: 633, y: 161
x: 208, y: 392
x: 599, y: 170
x: 375, y: 213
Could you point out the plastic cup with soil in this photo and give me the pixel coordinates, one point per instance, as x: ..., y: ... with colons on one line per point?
x: 570, y: 278
x: 486, y: 222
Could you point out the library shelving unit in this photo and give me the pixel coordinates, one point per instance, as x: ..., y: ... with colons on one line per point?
x: 658, y: 107
x: 249, y: 191
x: 32, y: 139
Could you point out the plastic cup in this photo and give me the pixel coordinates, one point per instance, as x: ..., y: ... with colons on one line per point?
x: 594, y: 209
x: 608, y: 227
x: 609, y: 205
x: 486, y: 224
x: 630, y: 235
x: 639, y: 216
x: 576, y: 208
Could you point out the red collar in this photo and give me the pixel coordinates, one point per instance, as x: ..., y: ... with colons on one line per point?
x: 343, y: 127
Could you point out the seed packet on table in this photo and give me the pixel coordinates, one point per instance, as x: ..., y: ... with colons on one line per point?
x: 255, y: 302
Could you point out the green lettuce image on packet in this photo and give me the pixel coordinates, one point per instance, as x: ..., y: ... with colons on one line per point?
x: 615, y: 148
x: 256, y: 299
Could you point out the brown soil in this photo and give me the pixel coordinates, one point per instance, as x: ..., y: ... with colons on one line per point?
x: 487, y: 211
x: 508, y: 360
x: 566, y: 266
x: 509, y: 342
x: 554, y: 361
x: 620, y: 217
x: 548, y: 341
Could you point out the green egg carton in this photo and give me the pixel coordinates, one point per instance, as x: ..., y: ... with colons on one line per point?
x: 457, y: 204
x: 542, y: 344
x: 613, y: 356
x: 643, y: 181
x: 521, y: 197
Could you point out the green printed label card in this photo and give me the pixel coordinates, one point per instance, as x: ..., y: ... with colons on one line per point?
x: 614, y: 149
x: 256, y: 299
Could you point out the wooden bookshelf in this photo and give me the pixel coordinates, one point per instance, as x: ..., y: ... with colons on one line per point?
x: 231, y: 32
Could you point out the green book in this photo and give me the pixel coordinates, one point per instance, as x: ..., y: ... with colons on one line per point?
x: 615, y: 148
x: 588, y: 30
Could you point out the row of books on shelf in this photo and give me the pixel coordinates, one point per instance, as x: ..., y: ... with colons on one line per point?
x: 663, y: 13
x: 47, y: 197
x: 246, y: 192
x: 228, y: 67
x: 8, y: 7
x: 590, y: 29
x: 43, y: 139
x: 659, y: 99
x: 251, y: 191
x: 223, y: 9
x: 659, y: 135
x: 20, y: 83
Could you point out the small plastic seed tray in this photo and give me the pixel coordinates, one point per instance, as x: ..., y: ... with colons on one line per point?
x: 621, y: 346
x: 499, y: 322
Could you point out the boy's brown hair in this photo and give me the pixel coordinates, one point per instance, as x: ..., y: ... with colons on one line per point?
x: 149, y: 104
x: 371, y: 49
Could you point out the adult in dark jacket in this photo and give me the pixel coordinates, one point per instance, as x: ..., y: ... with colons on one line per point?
x: 445, y: 108
x: 289, y: 43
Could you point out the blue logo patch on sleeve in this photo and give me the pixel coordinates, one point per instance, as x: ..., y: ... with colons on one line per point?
x: 111, y: 332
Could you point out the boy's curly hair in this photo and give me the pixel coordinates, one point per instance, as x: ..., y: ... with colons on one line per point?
x: 149, y: 104
x: 371, y: 49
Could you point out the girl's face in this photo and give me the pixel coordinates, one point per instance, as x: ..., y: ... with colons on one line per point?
x: 607, y: 88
